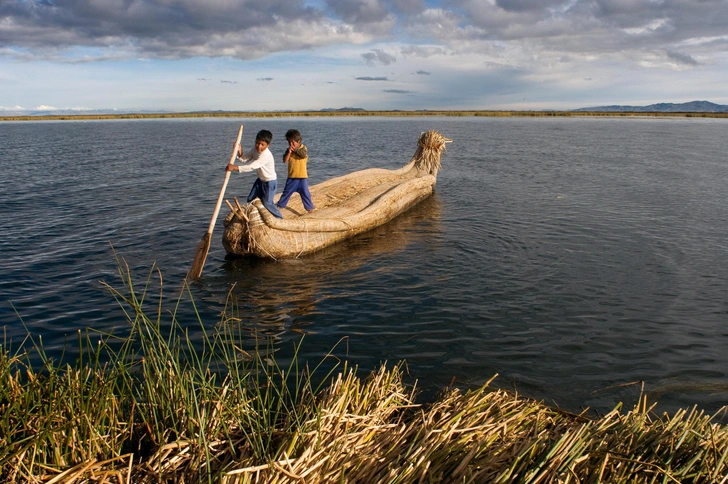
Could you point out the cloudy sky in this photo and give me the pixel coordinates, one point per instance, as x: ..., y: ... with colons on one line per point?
x: 252, y: 55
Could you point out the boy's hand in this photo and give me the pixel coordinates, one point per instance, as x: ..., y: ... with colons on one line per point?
x: 231, y: 167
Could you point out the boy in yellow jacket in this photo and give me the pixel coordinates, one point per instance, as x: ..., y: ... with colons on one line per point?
x: 296, y: 157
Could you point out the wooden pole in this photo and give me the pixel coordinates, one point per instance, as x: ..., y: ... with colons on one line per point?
x: 204, y: 247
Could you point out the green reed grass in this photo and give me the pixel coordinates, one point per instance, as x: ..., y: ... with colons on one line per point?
x: 145, y: 392
x: 161, y: 404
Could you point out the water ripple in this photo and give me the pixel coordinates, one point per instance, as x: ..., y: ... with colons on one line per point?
x: 575, y: 258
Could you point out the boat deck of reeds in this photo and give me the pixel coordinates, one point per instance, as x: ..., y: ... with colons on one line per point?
x: 345, y: 206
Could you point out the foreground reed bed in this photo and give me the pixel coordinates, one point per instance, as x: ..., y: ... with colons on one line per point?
x: 159, y: 405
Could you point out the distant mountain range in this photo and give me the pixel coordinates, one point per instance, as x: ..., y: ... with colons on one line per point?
x: 691, y: 107
x: 346, y: 109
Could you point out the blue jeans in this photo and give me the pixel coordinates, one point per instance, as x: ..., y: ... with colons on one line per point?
x: 296, y: 185
x: 265, y: 191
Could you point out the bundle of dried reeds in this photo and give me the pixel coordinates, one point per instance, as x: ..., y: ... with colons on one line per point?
x: 430, y: 148
x: 149, y: 408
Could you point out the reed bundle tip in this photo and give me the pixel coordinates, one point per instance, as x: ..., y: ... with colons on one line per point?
x: 430, y: 147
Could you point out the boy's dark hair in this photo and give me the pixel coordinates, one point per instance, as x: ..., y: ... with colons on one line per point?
x: 264, y: 135
x: 293, y: 135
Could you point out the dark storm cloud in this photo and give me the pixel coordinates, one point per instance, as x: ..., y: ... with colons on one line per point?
x: 595, y: 26
x: 527, y: 5
x: 378, y: 55
x: 408, y: 7
x: 688, y: 30
x: 398, y: 91
x: 682, y: 58
x: 164, y: 28
x: 423, y: 73
x: 366, y: 78
x: 359, y: 11
x: 142, y: 19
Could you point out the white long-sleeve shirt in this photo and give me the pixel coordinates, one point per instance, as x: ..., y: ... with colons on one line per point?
x: 263, y: 162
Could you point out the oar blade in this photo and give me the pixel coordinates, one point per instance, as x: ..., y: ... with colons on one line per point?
x: 200, y: 257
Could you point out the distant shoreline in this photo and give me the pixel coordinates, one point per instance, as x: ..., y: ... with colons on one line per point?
x: 316, y: 114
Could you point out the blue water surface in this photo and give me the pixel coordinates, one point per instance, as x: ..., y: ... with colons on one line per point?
x: 579, y: 259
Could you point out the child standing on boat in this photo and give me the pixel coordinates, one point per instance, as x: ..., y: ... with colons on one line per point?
x: 261, y: 159
x: 296, y: 157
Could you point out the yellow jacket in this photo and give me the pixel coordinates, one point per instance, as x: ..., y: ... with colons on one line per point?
x: 297, y: 162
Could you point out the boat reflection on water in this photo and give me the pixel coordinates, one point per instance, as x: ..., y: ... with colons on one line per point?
x: 272, y: 299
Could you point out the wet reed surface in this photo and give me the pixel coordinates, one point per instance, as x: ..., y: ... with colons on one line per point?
x: 573, y: 257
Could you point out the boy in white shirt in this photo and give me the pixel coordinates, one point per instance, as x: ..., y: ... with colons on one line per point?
x: 261, y: 159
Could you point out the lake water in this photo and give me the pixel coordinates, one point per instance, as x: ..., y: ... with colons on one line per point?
x: 573, y: 257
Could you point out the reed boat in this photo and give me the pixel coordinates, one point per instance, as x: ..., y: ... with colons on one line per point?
x: 345, y: 206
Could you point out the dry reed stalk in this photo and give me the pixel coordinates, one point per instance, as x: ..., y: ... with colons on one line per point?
x: 430, y: 148
x: 238, y: 212
x: 492, y: 437
x: 93, y: 472
x: 370, y: 431
x: 240, y: 209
